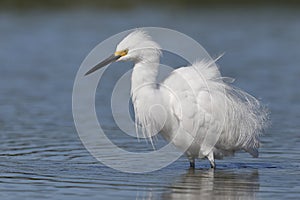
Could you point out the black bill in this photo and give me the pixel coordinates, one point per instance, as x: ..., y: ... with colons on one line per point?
x: 105, y: 62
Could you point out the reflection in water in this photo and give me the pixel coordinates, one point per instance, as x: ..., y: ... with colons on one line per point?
x: 210, y: 184
x: 145, y: 195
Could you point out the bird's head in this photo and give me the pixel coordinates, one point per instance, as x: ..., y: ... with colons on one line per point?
x: 138, y: 46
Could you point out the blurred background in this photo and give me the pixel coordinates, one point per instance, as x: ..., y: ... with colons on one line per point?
x: 42, y: 44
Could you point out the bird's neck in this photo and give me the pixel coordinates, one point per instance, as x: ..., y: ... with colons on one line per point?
x: 144, y: 76
x: 145, y: 95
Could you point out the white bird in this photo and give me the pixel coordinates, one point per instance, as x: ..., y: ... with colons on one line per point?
x: 203, y: 115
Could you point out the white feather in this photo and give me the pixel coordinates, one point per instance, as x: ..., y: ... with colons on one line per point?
x: 198, y: 102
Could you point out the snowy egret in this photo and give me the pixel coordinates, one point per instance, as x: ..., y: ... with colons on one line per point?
x: 198, y: 103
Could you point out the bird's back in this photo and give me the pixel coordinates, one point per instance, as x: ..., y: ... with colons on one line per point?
x: 218, y: 115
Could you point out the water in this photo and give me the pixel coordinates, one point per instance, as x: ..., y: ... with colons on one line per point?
x: 41, y: 155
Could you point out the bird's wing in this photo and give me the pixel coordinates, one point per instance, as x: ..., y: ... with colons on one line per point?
x: 182, y: 98
x: 214, y: 112
x: 191, y: 103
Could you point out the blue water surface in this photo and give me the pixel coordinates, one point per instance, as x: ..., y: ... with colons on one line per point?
x: 41, y: 155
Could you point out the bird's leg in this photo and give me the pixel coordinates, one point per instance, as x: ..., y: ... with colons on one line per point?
x: 211, y: 159
x: 192, y: 162
x: 192, y: 165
